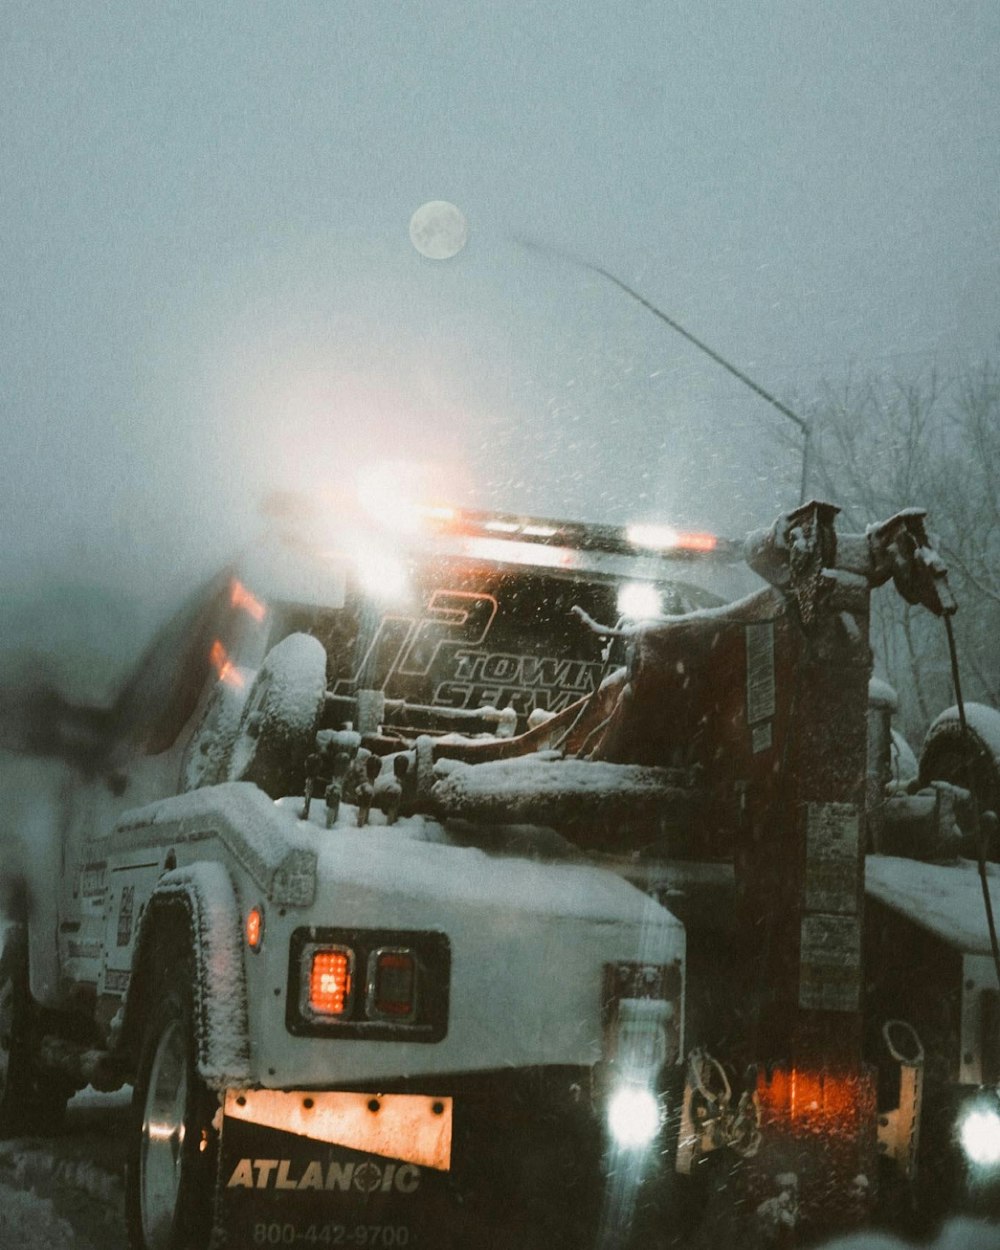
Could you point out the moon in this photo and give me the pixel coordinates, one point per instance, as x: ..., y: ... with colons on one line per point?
x: 438, y: 230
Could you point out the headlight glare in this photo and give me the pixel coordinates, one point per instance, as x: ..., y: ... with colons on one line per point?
x: 979, y: 1134
x: 633, y: 1116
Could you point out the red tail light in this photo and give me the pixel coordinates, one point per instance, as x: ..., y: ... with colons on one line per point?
x: 331, y: 981
x: 392, y: 984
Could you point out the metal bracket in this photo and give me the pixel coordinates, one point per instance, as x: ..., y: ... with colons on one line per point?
x: 899, y: 1129
x: 708, y: 1120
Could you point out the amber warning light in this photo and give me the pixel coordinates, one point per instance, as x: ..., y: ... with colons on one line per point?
x: 240, y: 597
x: 255, y: 928
x: 330, y: 982
x: 225, y: 669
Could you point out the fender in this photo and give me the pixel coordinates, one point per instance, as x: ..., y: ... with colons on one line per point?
x: 197, y: 904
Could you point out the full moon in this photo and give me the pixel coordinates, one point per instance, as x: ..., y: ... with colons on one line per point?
x: 438, y: 230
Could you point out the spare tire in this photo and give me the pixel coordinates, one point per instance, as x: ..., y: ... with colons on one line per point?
x: 972, y: 761
x: 205, y: 761
x: 278, y: 724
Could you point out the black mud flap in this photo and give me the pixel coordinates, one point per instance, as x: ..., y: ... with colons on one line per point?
x: 281, y: 1189
x: 503, y: 1192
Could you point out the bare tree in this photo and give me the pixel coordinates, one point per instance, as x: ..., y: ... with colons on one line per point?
x: 880, y: 445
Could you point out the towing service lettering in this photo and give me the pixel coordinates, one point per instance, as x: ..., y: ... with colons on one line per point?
x: 366, y: 1177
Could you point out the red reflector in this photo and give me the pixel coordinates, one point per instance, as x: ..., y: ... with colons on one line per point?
x: 255, y: 928
x: 393, y: 984
x: 330, y: 982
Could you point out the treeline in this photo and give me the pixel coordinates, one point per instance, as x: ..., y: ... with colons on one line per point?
x: 880, y: 445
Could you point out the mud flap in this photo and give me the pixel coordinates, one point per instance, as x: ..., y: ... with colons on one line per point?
x: 278, y: 1188
x: 520, y: 1171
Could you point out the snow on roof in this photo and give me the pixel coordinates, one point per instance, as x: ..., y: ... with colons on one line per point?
x: 982, y: 720
x: 881, y: 694
x: 946, y: 900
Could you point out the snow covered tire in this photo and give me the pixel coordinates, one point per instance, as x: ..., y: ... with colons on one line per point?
x: 205, y: 761
x: 946, y: 755
x: 280, y: 717
x: 170, y: 1175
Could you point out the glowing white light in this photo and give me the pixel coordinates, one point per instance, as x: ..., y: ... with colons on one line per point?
x: 639, y: 601
x: 381, y: 574
x: 979, y: 1134
x: 633, y: 1117
x: 388, y: 492
x: 507, y: 551
x: 659, y: 537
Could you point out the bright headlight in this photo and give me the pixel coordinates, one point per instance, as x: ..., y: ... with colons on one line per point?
x: 979, y: 1134
x: 639, y: 601
x: 633, y: 1116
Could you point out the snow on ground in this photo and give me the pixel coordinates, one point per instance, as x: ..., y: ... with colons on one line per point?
x: 28, y: 1222
x: 958, y: 1234
x: 65, y: 1192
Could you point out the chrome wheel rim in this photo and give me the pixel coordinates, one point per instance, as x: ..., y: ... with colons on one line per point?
x: 163, y: 1137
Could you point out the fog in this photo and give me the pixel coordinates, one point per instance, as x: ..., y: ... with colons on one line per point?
x: 210, y: 293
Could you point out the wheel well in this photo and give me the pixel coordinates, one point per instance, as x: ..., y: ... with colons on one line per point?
x: 193, y: 916
x: 168, y: 929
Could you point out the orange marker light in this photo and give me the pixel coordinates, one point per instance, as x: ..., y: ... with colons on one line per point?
x: 240, y: 597
x: 255, y: 928
x: 330, y: 982
x: 225, y: 669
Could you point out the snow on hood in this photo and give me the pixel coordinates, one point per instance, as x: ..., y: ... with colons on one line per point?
x: 389, y: 859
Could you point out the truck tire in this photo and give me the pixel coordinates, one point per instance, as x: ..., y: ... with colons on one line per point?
x: 205, y: 761
x: 30, y: 1100
x: 173, y: 1146
x: 947, y: 756
x: 278, y: 725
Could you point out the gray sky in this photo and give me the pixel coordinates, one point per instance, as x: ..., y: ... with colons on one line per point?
x: 209, y: 291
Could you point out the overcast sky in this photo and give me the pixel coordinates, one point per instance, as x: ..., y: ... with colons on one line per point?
x: 209, y: 290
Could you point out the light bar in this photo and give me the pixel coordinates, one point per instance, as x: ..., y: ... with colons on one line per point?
x: 512, y: 551
x: 666, y: 538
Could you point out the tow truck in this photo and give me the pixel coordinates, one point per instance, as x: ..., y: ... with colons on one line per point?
x: 502, y: 883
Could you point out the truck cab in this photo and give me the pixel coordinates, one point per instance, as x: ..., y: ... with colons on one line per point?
x: 341, y: 1008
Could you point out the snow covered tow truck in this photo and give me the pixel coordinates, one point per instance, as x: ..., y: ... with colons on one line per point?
x: 356, y: 1009
x: 403, y: 962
